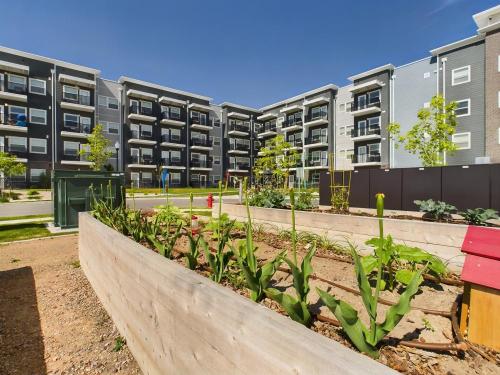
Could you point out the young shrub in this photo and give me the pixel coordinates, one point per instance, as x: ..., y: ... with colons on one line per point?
x: 296, y: 307
x: 435, y: 210
x: 304, y: 200
x: 269, y: 198
x: 32, y: 193
x: 194, y: 252
x: 367, y: 339
x: 257, y: 277
x: 219, y: 261
x: 222, y: 222
x: 479, y: 216
x: 165, y: 247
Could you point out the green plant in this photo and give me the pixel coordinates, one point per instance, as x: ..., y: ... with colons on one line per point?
x: 222, y: 222
x: 304, y: 200
x: 257, y: 276
x: 15, y: 260
x: 75, y: 264
x: 296, y: 307
x: 97, y: 151
x: 10, y: 166
x: 32, y: 193
x: 367, y: 339
x: 165, y: 246
x: 170, y: 214
x: 269, y: 198
x: 194, y: 252
x: 119, y: 344
x: 427, y: 325
x: 435, y: 210
x: 219, y: 261
x: 479, y: 216
x: 399, y: 261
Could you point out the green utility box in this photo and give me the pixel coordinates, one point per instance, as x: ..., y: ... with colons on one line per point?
x: 73, y: 191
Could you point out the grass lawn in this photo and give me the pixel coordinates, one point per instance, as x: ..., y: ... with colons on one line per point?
x: 23, y: 217
x: 16, y: 232
x: 182, y: 191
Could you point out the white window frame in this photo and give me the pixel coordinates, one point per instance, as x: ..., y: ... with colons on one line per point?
x: 44, y: 116
x: 65, y: 90
x: 113, y: 124
x: 72, y: 148
x: 461, y: 134
x: 25, y: 143
x: 216, y: 160
x: 175, y: 177
x: 9, y: 75
x: 454, y: 71
x: 44, y: 141
x: 468, y: 107
x: 25, y: 112
x: 38, y: 80
x: 40, y: 170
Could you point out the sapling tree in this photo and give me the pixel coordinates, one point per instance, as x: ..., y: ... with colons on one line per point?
x: 98, y: 149
x: 430, y: 137
x: 10, y: 166
x: 364, y: 338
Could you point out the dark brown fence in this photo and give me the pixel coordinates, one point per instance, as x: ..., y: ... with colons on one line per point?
x: 469, y: 186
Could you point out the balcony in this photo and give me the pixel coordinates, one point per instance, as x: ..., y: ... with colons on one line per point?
x: 77, y: 81
x: 200, y: 123
x: 13, y: 125
x: 173, y: 163
x: 76, y: 130
x: 316, y: 119
x: 200, y: 165
x: 298, y: 164
x: 316, y: 101
x: 13, y: 91
x: 291, y: 108
x: 291, y: 125
x: 141, y: 95
x: 365, y: 160
x: 139, y: 138
x: 73, y: 157
x: 171, y: 119
x: 235, y: 129
x: 266, y: 116
x: 295, y: 144
x: 267, y: 130
x: 367, y: 86
x: 238, y: 148
x: 367, y: 109
x: 201, y: 144
x: 364, y: 134
x: 316, y: 141
x: 141, y: 114
x: 168, y: 140
x: 238, y: 115
x: 316, y: 163
x: 238, y: 168
x: 79, y: 103
x: 143, y: 161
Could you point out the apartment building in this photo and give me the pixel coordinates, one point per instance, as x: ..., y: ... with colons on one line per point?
x: 307, y: 122
x: 49, y: 107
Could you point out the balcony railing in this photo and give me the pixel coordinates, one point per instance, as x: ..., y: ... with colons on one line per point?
x: 78, y: 99
x: 76, y: 127
x: 17, y: 88
x: 317, y: 116
x: 201, y: 163
x: 357, y: 107
x: 239, y: 166
x: 295, y: 142
x: 17, y: 148
x: 239, y: 146
x: 291, y: 122
x: 16, y: 119
x: 316, y: 139
x: 141, y: 110
x: 201, y: 142
x: 366, y: 158
x: 361, y: 132
x: 239, y: 128
x: 266, y: 128
x: 172, y: 162
x: 136, y: 134
x: 144, y: 159
x: 200, y: 121
x: 165, y: 115
x: 316, y: 162
x: 171, y: 139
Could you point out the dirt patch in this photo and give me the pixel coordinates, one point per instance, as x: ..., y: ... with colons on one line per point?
x: 51, y: 321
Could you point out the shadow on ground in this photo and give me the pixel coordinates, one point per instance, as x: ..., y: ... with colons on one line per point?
x: 21, y: 342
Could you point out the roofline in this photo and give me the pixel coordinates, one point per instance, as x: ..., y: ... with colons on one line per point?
x: 413, y: 62
x: 229, y: 104
x: 457, y: 44
x: 329, y: 86
x: 485, y: 13
x: 50, y: 60
x: 123, y: 79
x: 371, y: 72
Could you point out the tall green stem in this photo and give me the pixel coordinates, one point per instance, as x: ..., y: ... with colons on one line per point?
x: 191, y: 212
x: 380, y: 214
x: 294, y: 234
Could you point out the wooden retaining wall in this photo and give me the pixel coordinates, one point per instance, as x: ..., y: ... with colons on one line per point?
x: 178, y: 322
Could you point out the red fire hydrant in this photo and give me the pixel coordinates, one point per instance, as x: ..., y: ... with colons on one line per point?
x: 210, y: 200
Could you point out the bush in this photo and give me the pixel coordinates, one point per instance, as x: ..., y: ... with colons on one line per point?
x: 269, y: 198
x: 304, y: 200
x: 4, y: 199
x: 435, y: 210
x: 479, y: 216
x: 32, y: 193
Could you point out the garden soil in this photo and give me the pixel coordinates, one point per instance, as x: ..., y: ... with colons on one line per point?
x: 51, y: 321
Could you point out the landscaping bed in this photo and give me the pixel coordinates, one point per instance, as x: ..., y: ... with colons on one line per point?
x: 406, y: 349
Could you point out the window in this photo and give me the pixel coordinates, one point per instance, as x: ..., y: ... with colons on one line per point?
x: 460, y: 75
x: 361, y: 101
x: 84, y: 97
x: 108, y: 102
x: 113, y: 127
x: 17, y: 144
x: 348, y: 106
x: 15, y: 112
x: 216, y: 141
x: 318, y: 112
x: 1, y: 114
x: 147, y: 176
x: 342, y: 107
x: 38, y: 116
x: 216, y: 123
x: 146, y: 131
x: 36, y: 174
x: 374, y: 148
x: 16, y: 83
x: 37, y: 86
x: 175, y: 178
x: 85, y: 123
x: 215, y: 179
x: 462, y: 140
x: 175, y: 112
x: 216, y: 160
x: 71, y: 120
x: 70, y: 93
x: 38, y: 146
x: 463, y: 108
x: 147, y: 107
x: 373, y: 123
x: 374, y: 97
x: 427, y: 75
x: 71, y: 148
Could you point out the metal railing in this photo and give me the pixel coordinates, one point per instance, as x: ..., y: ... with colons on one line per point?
x: 201, y: 142
x: 266, y: 128
x: 317, y: 116
x: 239, y: 146
x: 365, y: 158
x: 172, y: 162
x: 316, y: 162
x: 316, y: 139
x: 76, y: 127
x: 138, y: 110
x: 239, y: 166
x: 171, y: 139
x: 201, y: 121
x: 357, y: 107
x: 291, y: 122
x: 143, y: 159
x: 361, y: 132
x: 240, y: 128
x: 201, y: 163
x: 165, y: 115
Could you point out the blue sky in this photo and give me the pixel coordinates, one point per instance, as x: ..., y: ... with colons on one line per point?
x: 252, y: 52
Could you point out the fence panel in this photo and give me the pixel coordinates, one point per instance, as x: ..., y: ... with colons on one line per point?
x: 495, y: 187
x: 466, y: 186
x: 421, y: 184
x: 360, y: 188
x: 387, y: 181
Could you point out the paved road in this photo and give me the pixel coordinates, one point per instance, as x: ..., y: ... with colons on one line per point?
x: 45, y: 207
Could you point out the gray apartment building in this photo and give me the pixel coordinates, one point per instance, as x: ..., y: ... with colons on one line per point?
x: 49, y: 107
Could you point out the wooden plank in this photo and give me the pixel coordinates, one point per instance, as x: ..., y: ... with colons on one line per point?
x: 178, y: 322
x: 464, y: 312
x: 484, y: 325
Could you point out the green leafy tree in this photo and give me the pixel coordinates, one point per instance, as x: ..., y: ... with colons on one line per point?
x: 277, y: 158
x: 10, y: 166
x: 430, y: 137
x: 98, y: 152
